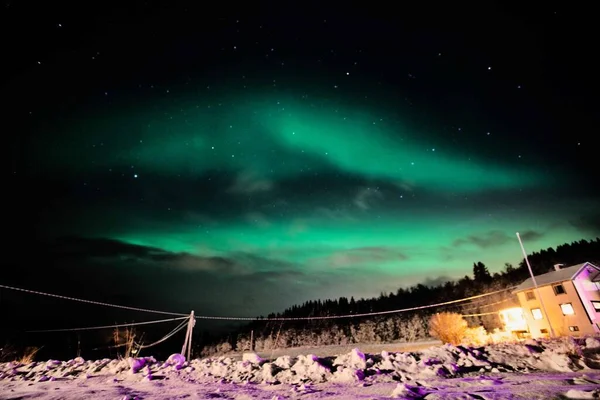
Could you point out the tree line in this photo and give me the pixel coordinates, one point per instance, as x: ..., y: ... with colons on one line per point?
x: 409, y: 326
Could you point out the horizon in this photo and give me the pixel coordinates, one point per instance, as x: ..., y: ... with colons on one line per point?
x: 168, y: 159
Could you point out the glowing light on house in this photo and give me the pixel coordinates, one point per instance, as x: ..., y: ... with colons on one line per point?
x: 513, y: 319
x: 567, y: 309
x: 537, y: 313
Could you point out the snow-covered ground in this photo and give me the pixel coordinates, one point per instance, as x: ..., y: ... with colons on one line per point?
x: 561, y: 368
x: 334, y: 350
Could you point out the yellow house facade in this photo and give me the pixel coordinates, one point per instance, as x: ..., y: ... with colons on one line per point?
x: 566, y: 301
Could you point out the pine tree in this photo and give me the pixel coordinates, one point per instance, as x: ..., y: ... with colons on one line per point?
x: 481, y: 273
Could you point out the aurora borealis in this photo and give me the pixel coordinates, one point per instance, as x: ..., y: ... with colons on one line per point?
x: 265, y: 170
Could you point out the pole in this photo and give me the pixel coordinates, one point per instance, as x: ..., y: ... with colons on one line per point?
x: 191, y: 329
x: 537, y: 290
x: 186, y: 340
x: 252, y: 340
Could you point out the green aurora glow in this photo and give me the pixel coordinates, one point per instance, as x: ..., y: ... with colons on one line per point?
x: 403, y: 212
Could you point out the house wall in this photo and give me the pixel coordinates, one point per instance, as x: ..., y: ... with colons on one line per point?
x: 560, y: 322
x: 588, y: 291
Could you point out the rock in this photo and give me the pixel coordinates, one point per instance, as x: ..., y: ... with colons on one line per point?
x: 253, y: 358
x: 176, y: 359
x: 592, y: 343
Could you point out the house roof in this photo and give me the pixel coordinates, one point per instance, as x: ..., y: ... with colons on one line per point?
x: 563, y: 274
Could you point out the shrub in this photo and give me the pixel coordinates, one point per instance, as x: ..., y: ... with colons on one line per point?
x: 501, y: 336
x: 28, y: 355
x: 448, y: 327
x: 477, y: 336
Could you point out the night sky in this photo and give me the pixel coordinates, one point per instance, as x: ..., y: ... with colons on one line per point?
x: 185, y: 157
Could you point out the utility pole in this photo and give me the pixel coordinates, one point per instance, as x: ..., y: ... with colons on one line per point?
x: 187, y: 342
x: 192, y: 323
x: 537, y: 290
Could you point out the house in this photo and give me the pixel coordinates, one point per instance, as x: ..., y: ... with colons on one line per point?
x: 570, y: 296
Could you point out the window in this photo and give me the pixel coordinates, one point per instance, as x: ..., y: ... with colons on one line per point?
x: 559, y: 289
x: 567, y: 309
x: 596, y: 305
x: 530, y: 295
x: 537, y: 313
x: 574, y: 328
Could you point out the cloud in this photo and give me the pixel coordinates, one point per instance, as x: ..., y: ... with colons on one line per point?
x: 495, y: 238
x: 366, y: 196
x: 589, y: 224
x: 247, y: 183
x: 485, y: 240
x: 361, y: 256
x: 109, y: 251
x: 103, y: 269
x: 531, y: 236
x: 258, y: 219
x: 333, y: 214
x: 405, y: 185
x: 431, y: 282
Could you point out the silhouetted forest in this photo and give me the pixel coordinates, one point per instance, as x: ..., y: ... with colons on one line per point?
x: 405, y: 326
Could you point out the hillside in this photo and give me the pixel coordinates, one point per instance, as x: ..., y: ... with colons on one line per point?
x: 266, y: 334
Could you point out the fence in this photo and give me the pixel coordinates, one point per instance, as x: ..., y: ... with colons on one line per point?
x: 188, y: 320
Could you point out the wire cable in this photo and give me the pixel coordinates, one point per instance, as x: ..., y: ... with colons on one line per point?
x: 98, y: 303
x: 167, y: 336
x: 351, y: 315
x: 486, y: 305
x: 479, y: 315
x: 220, y: 318
x: 88, y: 328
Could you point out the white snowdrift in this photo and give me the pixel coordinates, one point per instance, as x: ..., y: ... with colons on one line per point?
x: 407, y: 370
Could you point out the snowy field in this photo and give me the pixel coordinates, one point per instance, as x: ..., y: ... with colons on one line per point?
x: 560, y: 369
x: 334, y: 350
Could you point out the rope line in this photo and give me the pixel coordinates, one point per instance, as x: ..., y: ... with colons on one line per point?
x: 167, y: 336
x: 351, y: 315
x: 98, y: 303
x: 89, y: 328
x: 487, y: 305
x: 221, y: 318
x: 480, y: 315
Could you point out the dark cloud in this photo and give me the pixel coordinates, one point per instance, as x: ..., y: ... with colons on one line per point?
x: 484, y: 240
x: 589, y: 224
x: 248, y: 182
x: 531, y: 236
x: 437, y: 281
x: 495, y: 238
x: 113, y: 271
x: 106, y: 251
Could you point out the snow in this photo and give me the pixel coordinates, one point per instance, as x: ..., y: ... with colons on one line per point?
x: 567, y: 368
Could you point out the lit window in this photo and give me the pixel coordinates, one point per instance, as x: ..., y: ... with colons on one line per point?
x: 530, y: 295
x: 596, y: 304
x: 574, y: 328
x: 567, y: 309
x: 559, y: 289
x: 537, y: 313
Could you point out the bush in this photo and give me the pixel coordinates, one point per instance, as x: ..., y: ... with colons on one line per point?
x: 502, y: 336
x: 477, y: 336
x: 448, y: 327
